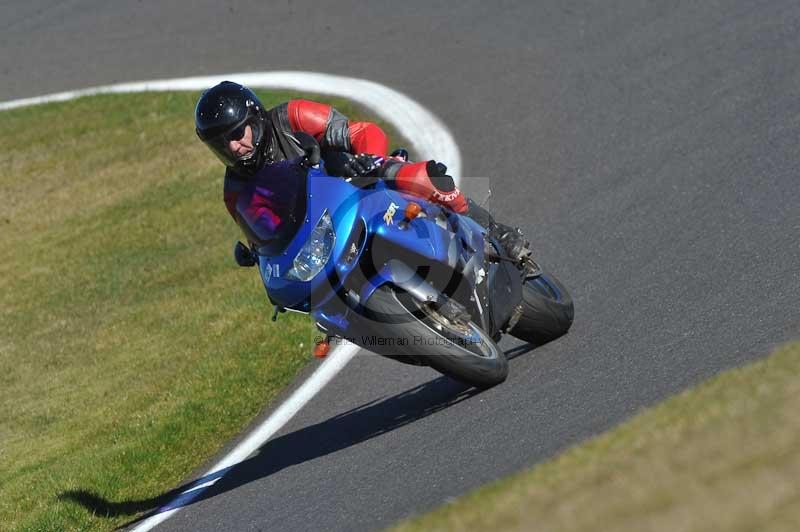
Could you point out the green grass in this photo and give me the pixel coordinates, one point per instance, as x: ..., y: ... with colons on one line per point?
x: 722, y: 456
x: 131, y: 345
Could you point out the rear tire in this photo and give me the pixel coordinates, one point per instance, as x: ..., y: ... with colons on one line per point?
x: 547, y: 310
x: 460, y: 350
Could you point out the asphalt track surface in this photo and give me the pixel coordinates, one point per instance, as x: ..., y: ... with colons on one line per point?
x: 650, y: 150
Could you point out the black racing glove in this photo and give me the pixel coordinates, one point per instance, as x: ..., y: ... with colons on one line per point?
x: 346, y: 164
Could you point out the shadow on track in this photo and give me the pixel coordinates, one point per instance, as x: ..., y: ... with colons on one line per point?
x: 344, y: 430
x: 520, y: 350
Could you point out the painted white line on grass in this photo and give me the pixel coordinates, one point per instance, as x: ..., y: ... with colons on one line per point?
x: 429, y: 138
x: 333, y: 364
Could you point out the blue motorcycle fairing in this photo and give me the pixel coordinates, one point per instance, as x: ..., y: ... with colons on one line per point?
x: 440, y: 236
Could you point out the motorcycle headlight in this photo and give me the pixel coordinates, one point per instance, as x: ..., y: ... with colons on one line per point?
x: 316, y: 251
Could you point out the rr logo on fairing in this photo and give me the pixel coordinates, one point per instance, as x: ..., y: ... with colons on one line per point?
x: 270, y: 271
x: 387, y: 217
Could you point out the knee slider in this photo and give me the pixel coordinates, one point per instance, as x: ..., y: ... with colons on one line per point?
x: 437, y: 172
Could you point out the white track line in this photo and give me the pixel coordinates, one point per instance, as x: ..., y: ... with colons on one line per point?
x: 429, y: 138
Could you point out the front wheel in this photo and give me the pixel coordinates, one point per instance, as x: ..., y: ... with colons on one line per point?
x: 547, y: 310
x: 456, y: 347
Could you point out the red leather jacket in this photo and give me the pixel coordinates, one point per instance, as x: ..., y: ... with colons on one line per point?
x: 334, y: 131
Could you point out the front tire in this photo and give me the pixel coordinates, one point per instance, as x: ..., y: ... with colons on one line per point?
x: 547, y: 310
x: 461, y: 350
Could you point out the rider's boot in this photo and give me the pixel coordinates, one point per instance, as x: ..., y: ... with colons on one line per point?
x: 511, y: 238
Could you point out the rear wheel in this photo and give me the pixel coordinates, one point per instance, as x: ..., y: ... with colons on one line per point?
x: 547, y: 310
x: 456, y: 347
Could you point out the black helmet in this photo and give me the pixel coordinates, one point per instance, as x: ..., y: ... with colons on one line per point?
x: 221, y: 115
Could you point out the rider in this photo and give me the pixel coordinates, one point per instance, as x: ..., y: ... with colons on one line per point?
x: 232, y: 122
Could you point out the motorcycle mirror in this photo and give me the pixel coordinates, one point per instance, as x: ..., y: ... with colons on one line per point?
x: 244, y: 257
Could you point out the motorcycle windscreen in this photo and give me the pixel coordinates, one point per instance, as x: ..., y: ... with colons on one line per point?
x: 273, y: 206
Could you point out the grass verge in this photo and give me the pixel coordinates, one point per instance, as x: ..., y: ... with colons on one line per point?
x: 131, y: 346
x: 722, y: 456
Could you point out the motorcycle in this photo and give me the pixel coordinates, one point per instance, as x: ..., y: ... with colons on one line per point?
x: 400, y: 276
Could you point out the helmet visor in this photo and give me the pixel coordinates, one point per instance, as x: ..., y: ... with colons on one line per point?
x: 238, y: 136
